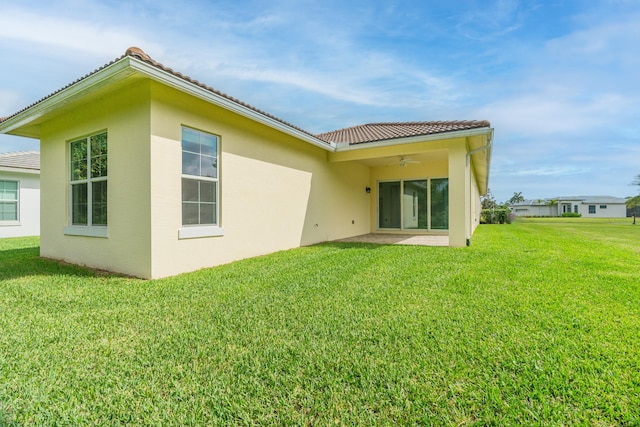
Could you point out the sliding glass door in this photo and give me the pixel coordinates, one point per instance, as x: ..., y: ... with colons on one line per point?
x: 414, y: 205
x: 419, y: 204
x: 388, y: 205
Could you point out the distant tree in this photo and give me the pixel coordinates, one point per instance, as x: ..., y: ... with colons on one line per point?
x: 633, y: 202
x: 633, y: 206
x: 488, y: 201
x: 516, y: 198
x: 551, y: 203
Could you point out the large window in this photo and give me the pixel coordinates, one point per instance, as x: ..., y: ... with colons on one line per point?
x: 89, y: 180
x: 420, y: 204
x: 199, y: 178
x: 8, y: 200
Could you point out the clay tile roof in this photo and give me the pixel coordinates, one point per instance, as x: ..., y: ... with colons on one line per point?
x: 135, y: 52
x: 21, y: 160
x: 383, y: 131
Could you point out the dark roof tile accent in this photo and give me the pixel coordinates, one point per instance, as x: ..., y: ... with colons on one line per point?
x: 21, y: 160
x: 383, y: 131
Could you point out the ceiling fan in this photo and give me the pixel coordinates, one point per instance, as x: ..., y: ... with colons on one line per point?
x: 404, y: 161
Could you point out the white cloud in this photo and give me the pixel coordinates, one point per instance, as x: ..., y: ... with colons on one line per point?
x: 68, y: 36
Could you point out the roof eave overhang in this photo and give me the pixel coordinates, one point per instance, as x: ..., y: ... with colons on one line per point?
x: 19, y: 170
x: 114, y: 72
x: 126, y: 67
x: 345, y: 146
x: 213, y: 98
x: 480, y: 155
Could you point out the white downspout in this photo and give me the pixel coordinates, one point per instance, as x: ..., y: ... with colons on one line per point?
x: 487, y: 147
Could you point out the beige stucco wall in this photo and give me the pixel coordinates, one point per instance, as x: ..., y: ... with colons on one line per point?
x: 125, y: 115
x: 276, y: 192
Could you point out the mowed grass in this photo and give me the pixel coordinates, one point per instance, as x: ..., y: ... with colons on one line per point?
x: 537, y: 323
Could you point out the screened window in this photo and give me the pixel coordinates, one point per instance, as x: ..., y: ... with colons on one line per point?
x: 200, y: 193
x: 592, y: 209
x: 89, y: 180
x: 9, y: 200
x: 603, y: 206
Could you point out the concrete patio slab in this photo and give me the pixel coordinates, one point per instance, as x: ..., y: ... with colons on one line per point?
x: 400, y: 239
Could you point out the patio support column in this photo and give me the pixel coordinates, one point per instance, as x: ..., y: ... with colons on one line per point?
x: 459, y: 193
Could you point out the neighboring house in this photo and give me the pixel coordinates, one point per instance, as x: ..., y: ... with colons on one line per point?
x: 19, y: 194
x: 586, y: 206
x: 150, y: 173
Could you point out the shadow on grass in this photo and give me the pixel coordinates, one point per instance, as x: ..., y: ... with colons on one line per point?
x: 26, y: 262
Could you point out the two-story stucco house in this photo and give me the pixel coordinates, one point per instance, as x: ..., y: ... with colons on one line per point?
x: 147, y: 172
x: 19, y: 194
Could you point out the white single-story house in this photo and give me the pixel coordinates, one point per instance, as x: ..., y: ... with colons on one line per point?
x: 19, y: 194
x: 150, y: 173
x: 586, y: 206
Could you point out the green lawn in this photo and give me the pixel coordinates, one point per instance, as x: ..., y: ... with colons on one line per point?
x: 537, y: 323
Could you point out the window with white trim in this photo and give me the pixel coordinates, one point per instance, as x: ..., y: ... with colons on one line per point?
x: 200, y: 192
x: 89, y: 181
x: 9, y: 200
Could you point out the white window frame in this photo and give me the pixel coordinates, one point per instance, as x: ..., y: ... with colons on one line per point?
x: 88, y: 230
x: 192, y: 231
x: 16, y: 201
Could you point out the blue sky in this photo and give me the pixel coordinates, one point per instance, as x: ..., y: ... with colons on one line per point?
x: 558, y: 80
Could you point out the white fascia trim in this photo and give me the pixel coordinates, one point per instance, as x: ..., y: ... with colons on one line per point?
x: 116, y: 71
x: 19, y: 170
x: 195, y: 232
x: 86, y: 231
x: 345, y: 146
x: 199, y: 92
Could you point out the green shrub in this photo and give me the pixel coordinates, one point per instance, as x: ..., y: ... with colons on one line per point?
x: 496, y: 216
x: 571, y: 215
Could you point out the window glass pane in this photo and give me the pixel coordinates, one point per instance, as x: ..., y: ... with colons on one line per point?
x: 190, y: 164
x: 415, y: 204
x: 199, y: 158
x: 207, y: 213
x: 8, y: 211
x: 190, y: 213
x: 98, y: 155
x: 440, y: 204
x: 8, y: 190
x: 190, y: 140
x: 208, y: 144
x: 189, y: 190
x: 208, y: 167
x: 389, y: 204
x: 79, y: 204
x: 207, y: 191
x: 79, y: 160
x: 99, y: 203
